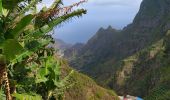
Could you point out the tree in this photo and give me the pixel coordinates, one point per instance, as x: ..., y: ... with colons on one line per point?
x: 27, y: 66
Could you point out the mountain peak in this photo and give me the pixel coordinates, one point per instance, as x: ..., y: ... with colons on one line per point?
x: 101, y: 29
x: 109, y: 27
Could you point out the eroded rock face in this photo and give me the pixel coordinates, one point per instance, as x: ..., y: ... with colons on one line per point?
x: 152, y: 14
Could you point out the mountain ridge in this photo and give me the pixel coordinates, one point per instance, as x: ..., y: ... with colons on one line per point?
x: 103, y: 53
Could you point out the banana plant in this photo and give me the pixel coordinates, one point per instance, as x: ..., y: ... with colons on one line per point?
x: 24, y: 34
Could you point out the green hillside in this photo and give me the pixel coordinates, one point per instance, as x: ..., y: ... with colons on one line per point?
x: 145, y: 74
x: 85, y: 88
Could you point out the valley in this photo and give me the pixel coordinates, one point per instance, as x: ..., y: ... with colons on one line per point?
x: 134, y: 60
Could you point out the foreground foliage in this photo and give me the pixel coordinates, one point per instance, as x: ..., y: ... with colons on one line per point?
x: 28, y: 69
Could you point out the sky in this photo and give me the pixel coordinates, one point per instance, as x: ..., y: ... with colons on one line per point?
x: 100, y: 13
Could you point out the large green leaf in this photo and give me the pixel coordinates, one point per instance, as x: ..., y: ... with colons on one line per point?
x: 11, y: 48
x: 37, y: 44
x: 2, y: 95
x: 10, y: 4
x: 20, y: 57
x: 2, y: 39
x: 56, y: 21
x: 39, y: 32
x: 0, y: 7
x: 25, y: 21
x: 27, y: 97
x: 41, y: 75
x: 32, y: 45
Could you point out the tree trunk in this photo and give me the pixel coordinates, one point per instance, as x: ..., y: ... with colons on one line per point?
x: 4, y: 78
x: 2, y: 70
x: 7, y: 87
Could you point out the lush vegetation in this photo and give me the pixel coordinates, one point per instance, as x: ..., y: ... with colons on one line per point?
x: 28, y: 68
x: 84, y: 88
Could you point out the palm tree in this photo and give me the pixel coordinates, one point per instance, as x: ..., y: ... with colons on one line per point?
x: 24, y: 31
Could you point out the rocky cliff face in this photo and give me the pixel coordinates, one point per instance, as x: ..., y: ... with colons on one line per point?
x: 116, y: 58
x: 73, y: 51
x: 152, y: 14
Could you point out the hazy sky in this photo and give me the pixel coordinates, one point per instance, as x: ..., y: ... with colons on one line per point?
x: 100, y: 13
